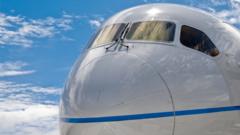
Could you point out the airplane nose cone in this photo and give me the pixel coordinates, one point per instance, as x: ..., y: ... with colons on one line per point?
x: 112, y: 85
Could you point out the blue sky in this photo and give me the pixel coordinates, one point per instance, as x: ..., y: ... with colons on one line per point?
x: 39, y: 42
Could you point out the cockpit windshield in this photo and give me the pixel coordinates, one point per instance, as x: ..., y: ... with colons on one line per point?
x: 157, y: 31
x: 108, y: 34
x: 153, y: 31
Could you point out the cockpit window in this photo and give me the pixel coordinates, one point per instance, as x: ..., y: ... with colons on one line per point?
x: 108, y: 34
x: 157, y: 31
x: 196, y: 39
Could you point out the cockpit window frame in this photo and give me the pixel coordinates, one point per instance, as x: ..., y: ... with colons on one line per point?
x: 170, y: 43
x: 129, y: 24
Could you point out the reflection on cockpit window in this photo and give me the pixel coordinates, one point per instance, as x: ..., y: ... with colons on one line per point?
x: 158, y: 31
x: 108, y: 34
x: 196, y: 39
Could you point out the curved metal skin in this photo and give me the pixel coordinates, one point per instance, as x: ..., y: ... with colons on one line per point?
x: 156, y: 88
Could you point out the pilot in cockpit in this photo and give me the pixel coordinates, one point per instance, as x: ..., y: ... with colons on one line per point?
x: 203, y: 44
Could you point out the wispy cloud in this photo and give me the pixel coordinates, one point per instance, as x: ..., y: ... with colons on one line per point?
x: 19, y: 30
x: 96, y: 22
x: 152, y: 1
x: 14, y: 69
x: 228, y: 10
x: 219, y: 2
x: 29, y: 119
x: 231, y: 15
x: 28, y: 109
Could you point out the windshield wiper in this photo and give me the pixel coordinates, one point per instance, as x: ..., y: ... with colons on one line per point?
x: 115, y: 41
x: 120, y: 38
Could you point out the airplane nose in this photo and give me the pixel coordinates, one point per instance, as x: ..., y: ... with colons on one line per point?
x: 118, y: 84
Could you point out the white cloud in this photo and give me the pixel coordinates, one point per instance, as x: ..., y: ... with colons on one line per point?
x: 14, y: 69
x: 95, y: 23
x: 230, y: 13
x: 25, y: 109
x: 145, y: 1
x: 18, y: 30
x: 152, y: 1
x: 25, y: 91
x: 230, y: 16
x: 30, y: 119
x: 219, y: 2
x: 235, y: 3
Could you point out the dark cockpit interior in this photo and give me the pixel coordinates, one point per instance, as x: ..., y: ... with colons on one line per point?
x: 196, y: 39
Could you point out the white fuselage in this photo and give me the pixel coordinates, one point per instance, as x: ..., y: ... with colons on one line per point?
x: 156, y: 88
